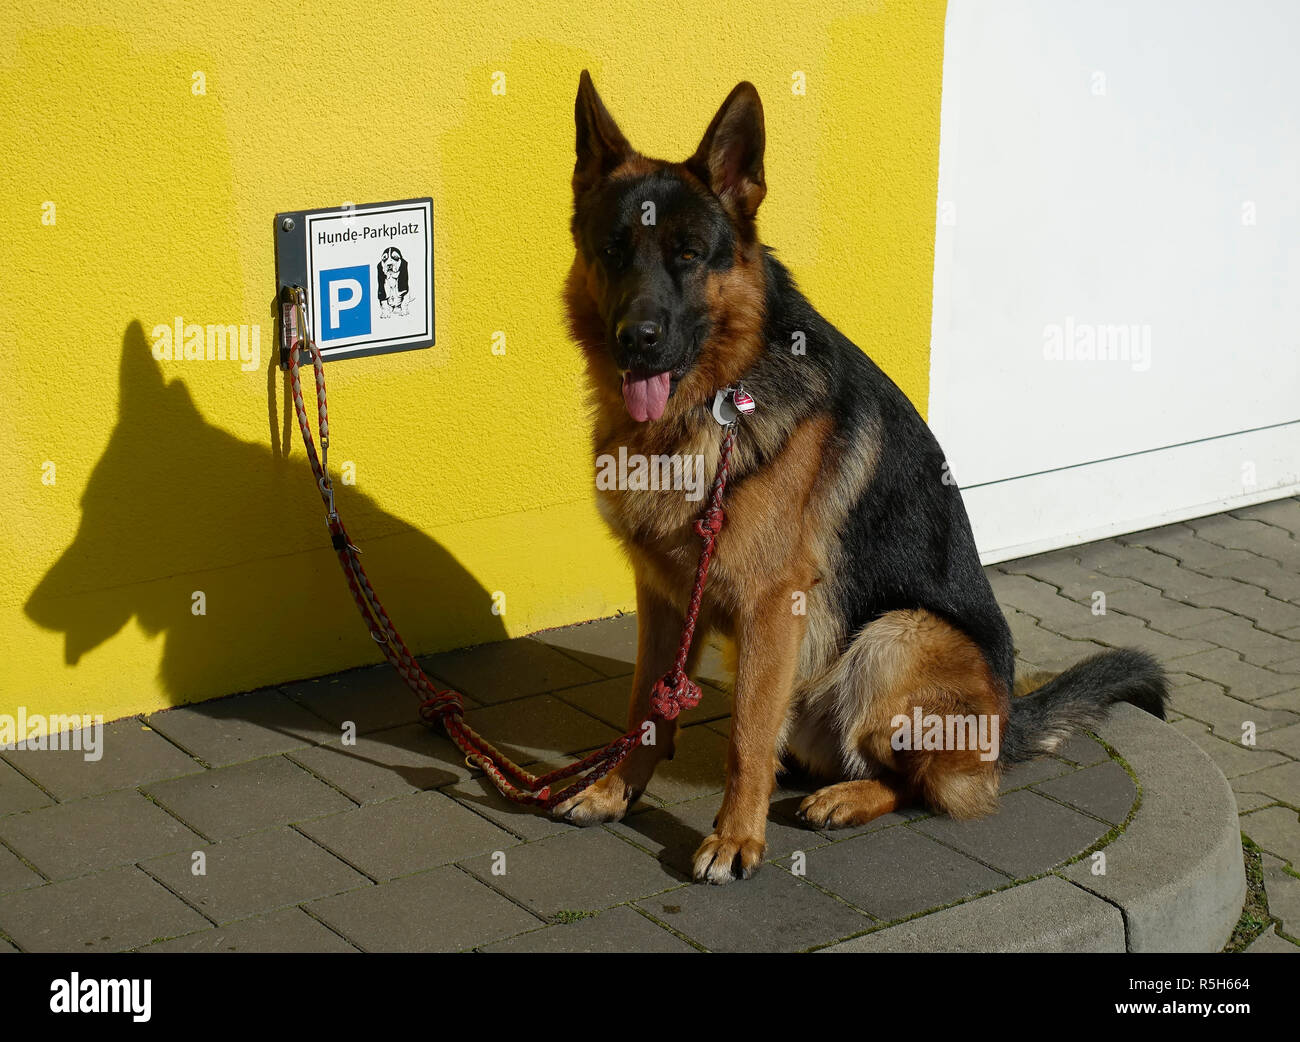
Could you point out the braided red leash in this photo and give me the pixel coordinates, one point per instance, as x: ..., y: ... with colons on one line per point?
x: 672, y: 693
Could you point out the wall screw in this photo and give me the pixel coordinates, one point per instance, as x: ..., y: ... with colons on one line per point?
x: 287, y: 224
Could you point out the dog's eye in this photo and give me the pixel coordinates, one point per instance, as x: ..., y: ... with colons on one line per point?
x: 612, y: 253
x: 687, y: 254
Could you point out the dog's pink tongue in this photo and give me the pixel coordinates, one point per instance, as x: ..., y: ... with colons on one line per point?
x: 645, y: 394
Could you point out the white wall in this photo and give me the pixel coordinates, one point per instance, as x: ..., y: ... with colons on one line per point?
x: 1109, y: 166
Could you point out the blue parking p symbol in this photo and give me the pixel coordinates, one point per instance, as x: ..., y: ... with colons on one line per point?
x: 344, y: 302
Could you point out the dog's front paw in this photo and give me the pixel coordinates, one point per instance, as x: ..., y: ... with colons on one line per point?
x: 721, y: 859
x: 606, y: 800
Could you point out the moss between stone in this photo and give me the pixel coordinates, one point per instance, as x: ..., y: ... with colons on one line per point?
x: 566, y: 916
x: 1255, y: 918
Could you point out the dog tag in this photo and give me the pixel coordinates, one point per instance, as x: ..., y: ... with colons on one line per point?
x: 731, y: 403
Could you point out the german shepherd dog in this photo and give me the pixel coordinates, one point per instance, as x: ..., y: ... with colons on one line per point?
x: 846, y: 575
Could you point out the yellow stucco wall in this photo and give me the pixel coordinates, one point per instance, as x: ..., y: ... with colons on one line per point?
x: 176, y: 477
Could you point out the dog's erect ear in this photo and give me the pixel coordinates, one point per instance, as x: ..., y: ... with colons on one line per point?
x: 601, y: 146
x: 730, y: 158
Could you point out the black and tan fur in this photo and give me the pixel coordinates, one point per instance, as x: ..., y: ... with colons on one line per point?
x: 838, y: 497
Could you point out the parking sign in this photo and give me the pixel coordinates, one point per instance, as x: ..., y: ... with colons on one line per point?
x: 367, y: 271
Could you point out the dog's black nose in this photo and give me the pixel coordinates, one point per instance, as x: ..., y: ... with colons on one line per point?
x: 640, y: 336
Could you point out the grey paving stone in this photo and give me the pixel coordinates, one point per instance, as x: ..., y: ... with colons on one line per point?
x: 1275, y: 829
x: 1034, y: 597
x: 1283, y: 583
x: 1281, y: 513
x: 1091, y: 555
x: 1248, y: 801
x: 1285, y: 740
x: 895, y: 872
x: 1172, y: 540
x: 286, y: 930
x: 1149, y: 567
x: 536, y: 728
x: 1241, y: 679
x: 1288, y: 701
x: 698, y: 767
x: 1042, y: 769
x: 131, y: 754
x: 1283, y: 890
x: 255, y: 873
x: 18, y: 793
x: 1269, y: 613
x: 372, y: 698
x: 1105, y: 791
x: 112, y: 911
x: 242, y: 727
x: 581, y: 871
x: 1176, y: 871
x: 1059, y: 569
x: 406, y: 834
x: 607, y: 700
x: 507, y: 669
x: 1045, y: 915
x: 441, y: 910
x: 1227, y: 715
x: 1127, y: 631
x: 772, y: 911
x: 1269, y: 942
x: 1231, y: 758
x: 230, y: 801
x: 1165, y: 614
x: 1256, y: 646
x: 384, y: 764
x: 713, y: 667
x: 1249, y: 535
x: 1168, y: 614
x: 1291, y: 667
x: 1210, y: 557
x: 1051, y: 650
x: 1024, y: 667
x: 1281, y: 782
x: 1026, y: 835
x: 673, y: 834
x: 1083, y: 750
x: 1024, y: 627
x: 621, y: 929
x: 72, y: 839
x: 606, y: 645
x: 14, y: 875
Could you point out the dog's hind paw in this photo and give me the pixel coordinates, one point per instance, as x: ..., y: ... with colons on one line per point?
x: 848, y: 803
x: 720, y: 859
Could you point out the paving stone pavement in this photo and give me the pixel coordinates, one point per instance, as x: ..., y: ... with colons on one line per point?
x: 318, y: 816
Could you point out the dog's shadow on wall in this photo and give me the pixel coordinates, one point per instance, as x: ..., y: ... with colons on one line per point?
x: 177, y: 506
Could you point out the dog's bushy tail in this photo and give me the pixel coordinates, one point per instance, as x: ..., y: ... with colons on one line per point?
x: 1079, y: 698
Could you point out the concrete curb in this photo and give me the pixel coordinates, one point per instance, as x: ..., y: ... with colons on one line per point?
x: 1174, y: 878
x: 1176, y: 872
x: 1047, y: 915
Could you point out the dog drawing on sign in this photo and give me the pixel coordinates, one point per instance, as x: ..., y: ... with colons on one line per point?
x: 394, y: 283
